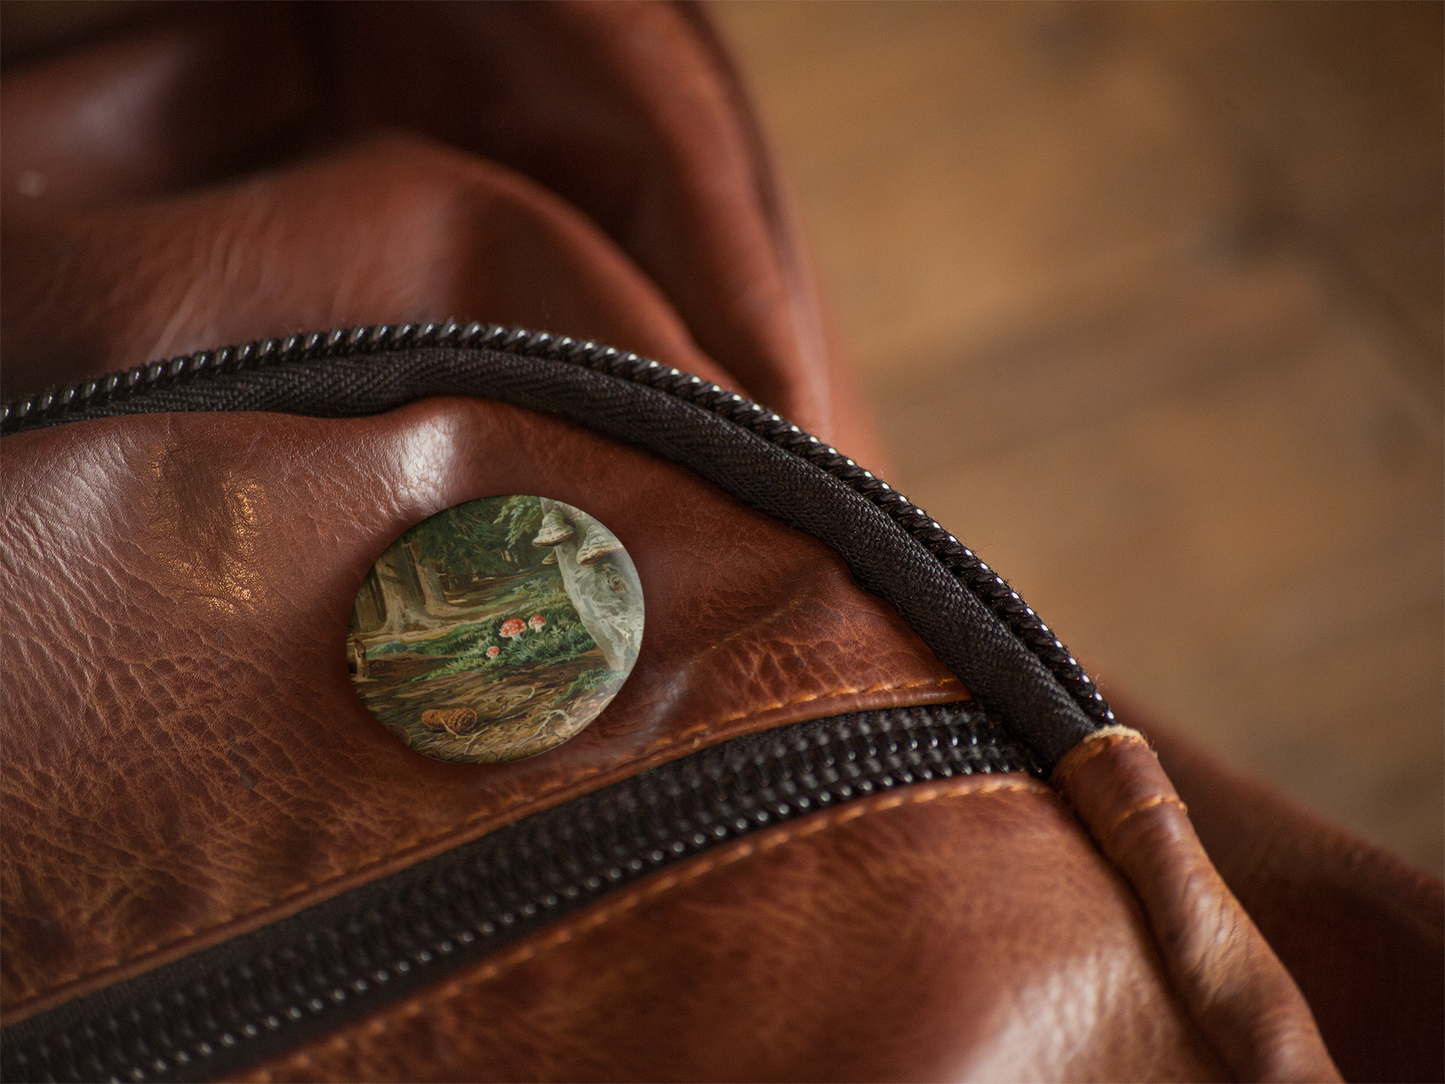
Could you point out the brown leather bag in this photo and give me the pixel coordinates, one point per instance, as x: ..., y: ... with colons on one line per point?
x: 856, y: 813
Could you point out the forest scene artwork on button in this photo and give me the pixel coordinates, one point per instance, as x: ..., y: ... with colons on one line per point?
x: 496, y: 629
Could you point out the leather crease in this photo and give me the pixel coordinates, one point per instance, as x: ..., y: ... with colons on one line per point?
x: 185, y: 758
x: 442, y: 1018
x: 67, y: 986
x: 1243, y: 998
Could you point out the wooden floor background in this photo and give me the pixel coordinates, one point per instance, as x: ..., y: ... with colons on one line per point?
x: 1148, y: 299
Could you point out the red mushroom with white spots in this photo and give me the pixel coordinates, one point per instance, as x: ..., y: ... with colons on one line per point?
x: 513, y: 626
x: 493, y: 651
x: 536, y: 622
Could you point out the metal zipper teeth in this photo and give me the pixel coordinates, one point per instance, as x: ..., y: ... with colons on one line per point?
x: 338, y: 962
x: 51, y: 406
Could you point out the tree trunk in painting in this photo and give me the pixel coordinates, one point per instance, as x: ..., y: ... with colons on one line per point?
x: 369, y: 613
x: 607, y: 594
x: 433, y: 597
x: 402, y: 592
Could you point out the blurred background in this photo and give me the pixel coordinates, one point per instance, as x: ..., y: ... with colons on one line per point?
x: 1148, y: 301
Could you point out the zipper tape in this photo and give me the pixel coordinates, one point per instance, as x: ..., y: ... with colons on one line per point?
x: 968, y: 615
x: 262, y: 993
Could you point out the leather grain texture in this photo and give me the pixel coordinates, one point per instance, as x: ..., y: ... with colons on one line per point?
x: 955, y: 957
x: 446, y: 235
x: 201, y: 184
x: 1235, y: 986
x: 212, y: 173
x: 1362, y: 932
x: 186, y: 756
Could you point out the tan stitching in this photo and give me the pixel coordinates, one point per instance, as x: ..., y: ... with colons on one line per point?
x: 594, y: 920
x: 1091, y: 746
x: 754, y: 712
x: 1147, y: 803
x: 411, y: 844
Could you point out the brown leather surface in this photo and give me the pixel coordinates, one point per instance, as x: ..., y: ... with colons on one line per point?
x: 193, y: 182
x: 184, y: 754
x: 446, y: 235
x: 1234, y: 985
x: 957, y: 957
x: 214, y: 173
x: 184, y: 758
x: 1362, y: 932
x: 153, y: 109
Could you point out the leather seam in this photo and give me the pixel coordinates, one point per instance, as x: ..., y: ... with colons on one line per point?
x: 1146, y: 804
x: 412, y: 844
x: 420, y: 1003
x: 1089, y: 747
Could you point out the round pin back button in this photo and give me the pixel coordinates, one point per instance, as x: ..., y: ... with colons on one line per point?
x: 496, y: 629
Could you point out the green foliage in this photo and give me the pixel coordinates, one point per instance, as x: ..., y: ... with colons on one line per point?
x: 588, y: 681
x: 554, y: 643
x: 469, y: 538
x: 561, y: 639
x: 456, y: 640
x: 520, y: 517
x: 537, y: 594
x: 451, y: 539
x: 541, y: 591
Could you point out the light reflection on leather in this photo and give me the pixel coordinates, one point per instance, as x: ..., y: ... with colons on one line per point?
x: 206, y: 521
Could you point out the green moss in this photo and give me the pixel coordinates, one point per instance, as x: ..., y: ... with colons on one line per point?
x: 561, y: 639
x: 589, y: 681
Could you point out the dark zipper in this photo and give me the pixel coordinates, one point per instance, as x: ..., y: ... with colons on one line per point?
x: 110, y: 395
x: 260, y: 994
